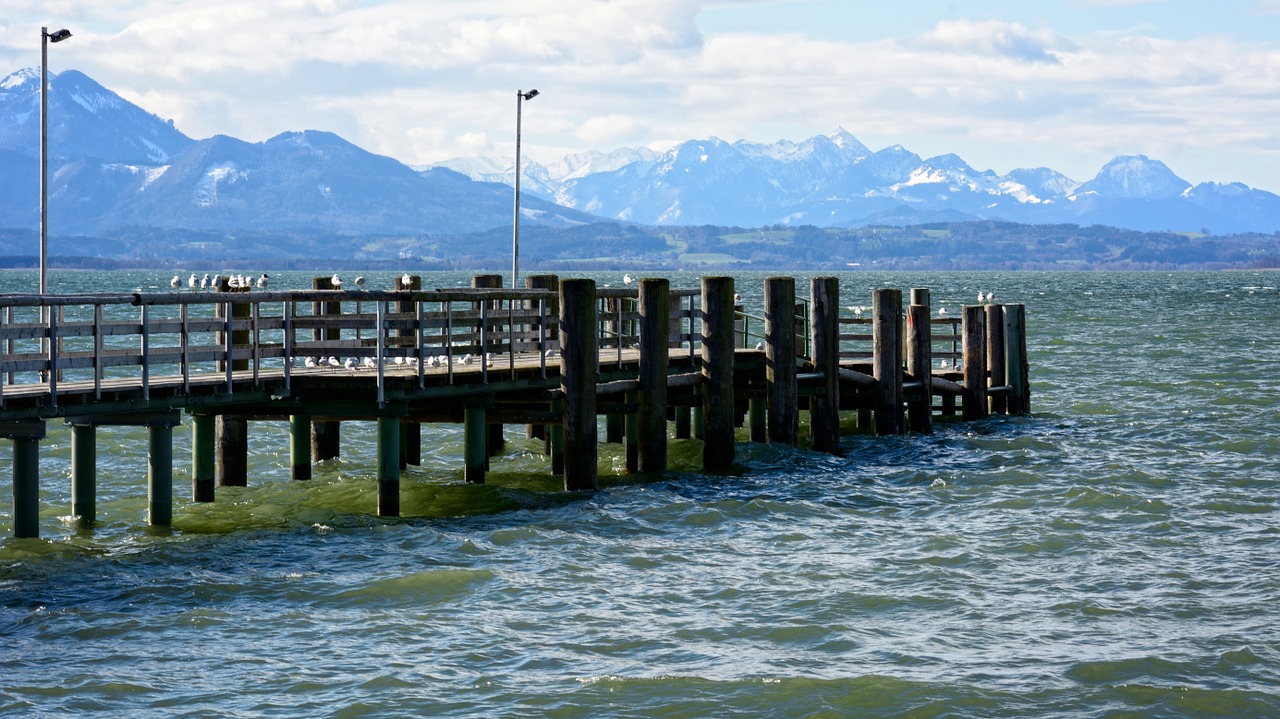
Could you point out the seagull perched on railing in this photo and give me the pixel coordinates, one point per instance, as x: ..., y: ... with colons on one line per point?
x: 262, y: 281
x: 551, y: 354
x: 216, y: 282
x: 310, y: 362
x: 466, y: 359
x: 360, y: 282
x: 333, y: 362
x: 193, y: 281
x: 336, y: 281
x: 406, y: 281
x: 176, y: 282
x: 350, y: 363
x: 627, y: 280
x: 204, y: 281
x: 760, y: 345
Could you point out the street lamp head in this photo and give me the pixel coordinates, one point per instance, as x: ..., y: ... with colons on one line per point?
x: 58, y: 35
x: 530, y: 94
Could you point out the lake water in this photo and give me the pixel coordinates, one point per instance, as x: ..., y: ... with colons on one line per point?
x: 1115, y: 555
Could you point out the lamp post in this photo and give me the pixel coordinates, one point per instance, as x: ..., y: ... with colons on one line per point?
x: 521, y: 96
x: 46, y: 37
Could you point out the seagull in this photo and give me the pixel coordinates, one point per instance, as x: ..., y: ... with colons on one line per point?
x: 204, y: 281
x: 350, y: 363
x: 193, y: 281
x: 942, y: 310
x: 466, y: 359
x: 991, y: 297
x: 262, y: 281
x: 311, y: 362
x: 333, y: 362
x: 432, y: 362
x: 406, y: 281
x: 399, y: 360
x: 737, y: 297
x: 627, y: 280
x: 760, y: 345
x: 488, y: 359
x: 370, y: 362
x: 551, y: 354
x: 176, y: 282
x: 233, y: 282
x: 336, y: 281
x: 216, y: 282
x: 360, y: 282
x: 945, y: 364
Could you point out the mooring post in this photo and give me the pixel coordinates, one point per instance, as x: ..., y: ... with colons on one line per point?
x: 388, y: 466
x: 475, y: 444
x: 780, y: 360
x: 84, y: 472
x: 824, y: 329
x: 160, y: 474
x: 717, y: 373
x: 410, y: 432
x: 651, y: 422
x: 920, y: 361
x: 631, y: 439
x: 974, y: 345
x: 578, y: 374
x: 1017, y: 368
x: 886, y: 309
x: 555, y: 439
x: 326, y: 435
x: 203, y: 457
x: 233, y: 450
x: 26, y: 438
x: 997, y: 403
x: 543, y: 282
x: 300, y: 447
x: 756, y: 419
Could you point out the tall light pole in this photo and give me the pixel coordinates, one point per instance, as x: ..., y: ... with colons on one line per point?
x: 521, y: 96
x: 45, y: 38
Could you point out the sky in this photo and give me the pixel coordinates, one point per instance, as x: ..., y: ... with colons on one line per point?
x: 1004, y: 84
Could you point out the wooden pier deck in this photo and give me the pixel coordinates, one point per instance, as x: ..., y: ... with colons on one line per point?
x: 656, y: 362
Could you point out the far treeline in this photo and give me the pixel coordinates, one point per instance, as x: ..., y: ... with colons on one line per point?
x: 612, y: 246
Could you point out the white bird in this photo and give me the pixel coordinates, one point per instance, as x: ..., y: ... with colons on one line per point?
x: 204, y: 281
x: 233, y: 282
x: 333, y: 362
x: 262, y: 281
x: 216, y: 282
x: 942, y: 310
x: 627, y: 280
x: 176, y: 282
x: 350, y: 363
x: 488, y: 359
x: 466, y: 359
x: 433, y: 362
x: 760, y: 345
x: 991, y: 297
x: 945, y: 364
x: 370, y: 362
x: 737, y: 297
x: 336, y: 281
x: 550, y: 354
x: 311, y: 362
x: 399, y: 360
x: 360, y: 282
x: 193, y: 281
x: 406, y: 281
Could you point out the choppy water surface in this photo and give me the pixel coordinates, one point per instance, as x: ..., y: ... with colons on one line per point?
x: 1114, y: 555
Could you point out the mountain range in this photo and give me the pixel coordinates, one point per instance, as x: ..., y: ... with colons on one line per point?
x: 114, y: 165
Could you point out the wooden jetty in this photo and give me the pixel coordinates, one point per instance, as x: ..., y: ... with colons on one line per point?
x: 655, y: 361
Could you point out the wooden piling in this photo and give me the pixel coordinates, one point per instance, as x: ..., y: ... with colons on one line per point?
x: 974, y: 401
x: 780, y: 360
x: 410, y: 432
x: 160, y: 474
x: 543, y: 282
x: 299, y: 447
x: 886, y: 308
x: 757, y: 419
x: 555, y: 439
x: 496, y: 441
x: 475, y: 445
x: 203, y: 457
x: 1017, y: 370
x: 997, y: 403
x: 651, y: 421
x: 717, y: 373
x: 631, y: 438
x: 388, y: 466
x: 26, y: 436
x: 578, y: 376
x: 233, y: 450
x: 920, y: 365
x: 326, y: 435
x: 824, y: 330
x: 84, y: 472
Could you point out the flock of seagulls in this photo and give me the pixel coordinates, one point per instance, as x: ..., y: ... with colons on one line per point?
x: 433, y: 361
x: 235, y: 282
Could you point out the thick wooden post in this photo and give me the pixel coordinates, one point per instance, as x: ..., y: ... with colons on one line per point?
x: 651, y: 422
x: 824, y: 328
x: 326, y: 435
x: 974, y: 401
x: 920, y: 366
x: 26, y: 438
x: 300, y: 447
x: 84, y: 472
x: 578, y: 373
x: 631, y: 439
x: 388, y: 466
x: 756, y: 419
x: 160, y: 474
x: 410, y: 432
x: 886, y: 308
x: 555, y: 438
x: 1017, y: 370
x: 475, y: 444
x: 684, y: 422
x: 614, y: 428
x: 233, y: 450
x: 997, y: 403
x: 495, y: 440
x: 717, y: 371
x: 780, y: 360
x: 203, y: 457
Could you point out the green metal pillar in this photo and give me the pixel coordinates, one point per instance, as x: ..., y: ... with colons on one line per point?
x: 84, y: 472
x: 203, y: 453
x: 388, y: 466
